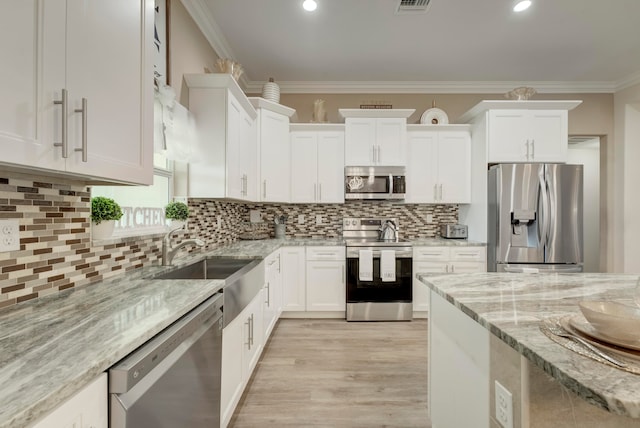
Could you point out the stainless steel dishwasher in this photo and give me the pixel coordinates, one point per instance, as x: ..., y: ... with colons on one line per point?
x: 174, y: 379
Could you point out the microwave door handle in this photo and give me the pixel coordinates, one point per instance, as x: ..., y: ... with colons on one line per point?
x: 390, y: 185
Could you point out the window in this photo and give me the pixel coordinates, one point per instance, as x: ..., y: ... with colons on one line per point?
x: 142, y: 206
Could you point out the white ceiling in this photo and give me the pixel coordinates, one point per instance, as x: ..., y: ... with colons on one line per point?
x: 557, y: 43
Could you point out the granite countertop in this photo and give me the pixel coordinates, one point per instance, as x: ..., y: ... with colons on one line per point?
x: 55, y: 345
x: 511, y: 307
x: 443, y: 242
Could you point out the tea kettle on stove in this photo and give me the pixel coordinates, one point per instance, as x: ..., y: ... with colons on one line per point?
x: 388, y: 231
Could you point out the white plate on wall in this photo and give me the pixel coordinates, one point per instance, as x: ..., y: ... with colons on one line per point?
x: 434, y: 116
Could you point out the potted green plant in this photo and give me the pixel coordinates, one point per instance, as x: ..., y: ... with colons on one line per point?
x: 177, y: 213
x: 104, y: 214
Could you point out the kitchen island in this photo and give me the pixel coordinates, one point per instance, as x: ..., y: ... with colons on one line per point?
x: 485, y: 328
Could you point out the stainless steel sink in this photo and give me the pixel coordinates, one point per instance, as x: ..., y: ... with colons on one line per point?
x: 210, y: 268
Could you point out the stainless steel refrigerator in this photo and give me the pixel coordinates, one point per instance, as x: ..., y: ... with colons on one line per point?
x: 535, y: 218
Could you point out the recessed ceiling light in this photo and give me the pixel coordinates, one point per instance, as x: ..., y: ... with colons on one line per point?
x: 522, y: 5
x: 309, y: 5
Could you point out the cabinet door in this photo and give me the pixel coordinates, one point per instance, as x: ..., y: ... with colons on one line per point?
x: 275, y: 164
x: 326, y: 290
x: 234, y: 176
x: 87, y: 409
x: 454, y: 167
x: 293, y: 279
x: 508, y: 134
x: 548, y: 137
x: 420, y: 290
x: 33, y: 52
x: 110, y: 65
x: 304, y: 167
x: 359, y: 141
x: 248, y: 157
x: 422, y: 167
x: 234, y: 336
x: 253, y: 335
x: 391, y: 137
x: 330, y: 167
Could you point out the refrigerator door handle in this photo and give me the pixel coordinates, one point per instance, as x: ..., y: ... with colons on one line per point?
x: 543, y: 215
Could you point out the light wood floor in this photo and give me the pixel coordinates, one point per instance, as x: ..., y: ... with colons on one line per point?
x: 330, y: 373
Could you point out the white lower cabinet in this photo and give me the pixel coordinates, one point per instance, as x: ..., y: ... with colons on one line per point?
x: 242, y: 342
x: 326, y: 279
x: 293, y: 279
x: 272, y: 292
x: 87, y: 409
x: 460, y: 259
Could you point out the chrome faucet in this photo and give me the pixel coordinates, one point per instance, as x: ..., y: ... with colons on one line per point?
x: 168, y: 252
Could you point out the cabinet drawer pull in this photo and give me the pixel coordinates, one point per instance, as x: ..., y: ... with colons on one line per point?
x: 533, y: 149
x: 264, y: 188
x: 83, y: 111
x: 63, y: 103
x: 527, y: 147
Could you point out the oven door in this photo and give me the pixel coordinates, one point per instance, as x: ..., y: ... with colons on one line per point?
x: 377, y: 290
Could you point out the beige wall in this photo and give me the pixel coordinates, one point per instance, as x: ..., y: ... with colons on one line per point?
x: 626, y: 177
x: 189, y: 50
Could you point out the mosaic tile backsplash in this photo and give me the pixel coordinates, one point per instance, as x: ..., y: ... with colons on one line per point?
x: 56, y: 252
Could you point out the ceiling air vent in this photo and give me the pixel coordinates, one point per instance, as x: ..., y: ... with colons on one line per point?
x: 412, y: 6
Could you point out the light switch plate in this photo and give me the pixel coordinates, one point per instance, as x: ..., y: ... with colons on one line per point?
x: 9, y: 235
x: 300, y: 218
x: 429, y: 218
x: 255, y: 216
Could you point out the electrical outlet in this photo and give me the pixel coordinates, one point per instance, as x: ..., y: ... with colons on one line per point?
x: 9, y: 235
x: 429, y: 218
x: 300, y: 218
x: 504, y: 406
x: 219, y: 222
x: 318, y: 219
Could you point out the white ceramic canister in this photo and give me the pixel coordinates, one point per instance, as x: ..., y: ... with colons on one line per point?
x: 271, y: 91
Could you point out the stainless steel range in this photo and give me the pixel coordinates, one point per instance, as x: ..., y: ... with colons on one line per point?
x: 379, y: 270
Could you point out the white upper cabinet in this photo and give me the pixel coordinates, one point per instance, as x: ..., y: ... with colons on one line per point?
x: 521, y: 131
x: 79, y: 95
x: 375, y: 137
x: 527, y: 136
x: 438, y: 164
x: 317, y: 164
x: 274, y: 149
x: 224, y: 161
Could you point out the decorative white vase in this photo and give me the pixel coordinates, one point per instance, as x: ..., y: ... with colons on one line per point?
x: 104, y: 230
x: 271, y: 91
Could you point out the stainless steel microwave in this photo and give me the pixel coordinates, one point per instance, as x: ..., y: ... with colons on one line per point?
x: 374, y: 182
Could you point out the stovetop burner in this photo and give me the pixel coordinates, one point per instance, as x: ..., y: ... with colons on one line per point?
x: 365, y: 232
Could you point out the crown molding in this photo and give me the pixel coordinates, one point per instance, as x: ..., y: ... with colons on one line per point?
x: 631, y: 80
x: 433, y: 87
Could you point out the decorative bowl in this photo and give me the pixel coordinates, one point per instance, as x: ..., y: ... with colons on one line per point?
x: 522, y: 93
x: 612, y: 319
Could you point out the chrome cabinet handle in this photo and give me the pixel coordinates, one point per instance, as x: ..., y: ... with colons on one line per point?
x: 435, y: 192
x: 527, y: 147
x: 248, y: 323
x: 63, y: 102
x: 453, y: 268
x: 440, y: 191
x: 378, y: 157
x: 251, y: 330
x: 315, y: 191
x: 343, y: 275
x: 268, y: 302
x: 447, y: 268
x: 264, y: 188
x: 319, y: 192
x: 533, y: 149
x: 83, y: 111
